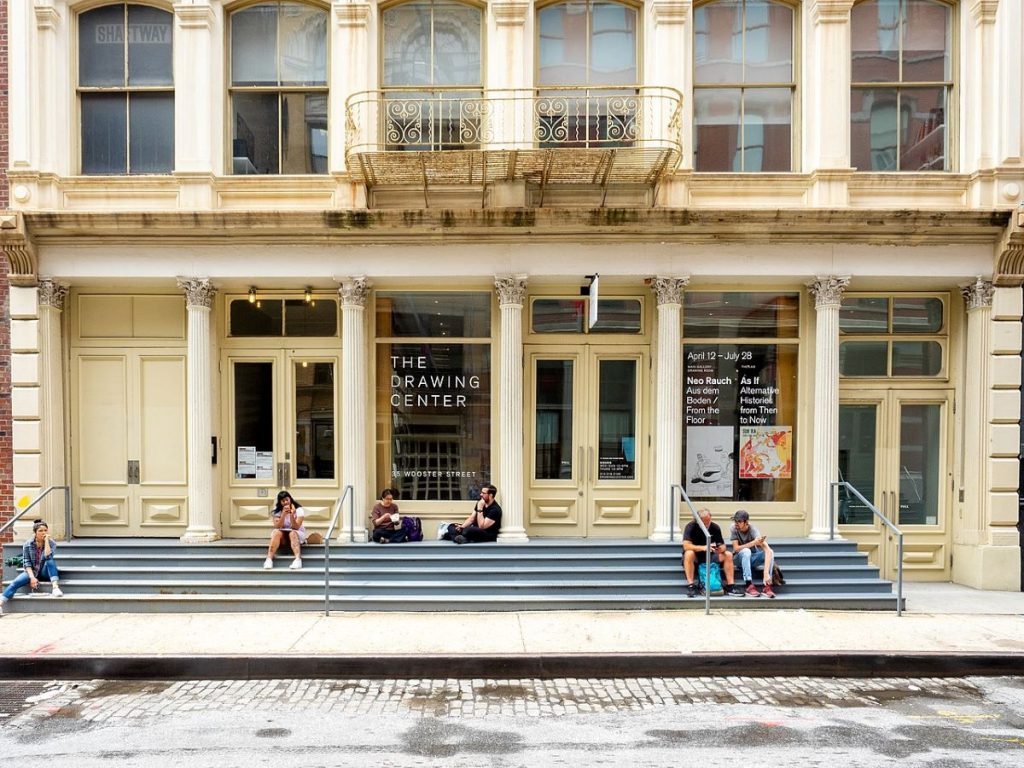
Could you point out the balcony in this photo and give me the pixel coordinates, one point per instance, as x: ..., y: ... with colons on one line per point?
x: 544, y: 138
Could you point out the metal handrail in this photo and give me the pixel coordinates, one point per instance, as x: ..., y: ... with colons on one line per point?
x: 707, y: 540
x: 39, y: 498
x: 834, y: 487
x: 350, y: 494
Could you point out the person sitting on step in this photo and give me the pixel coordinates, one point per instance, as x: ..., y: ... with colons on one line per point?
x: 385, y: 518
x: 287, y: 517
x: 38, y: 563
x: 483, y: 523
x: 695, y: 553
x: 752, y: 550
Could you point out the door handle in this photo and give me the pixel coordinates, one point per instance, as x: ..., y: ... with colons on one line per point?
x: 133, y: 472
x: 590, y: 462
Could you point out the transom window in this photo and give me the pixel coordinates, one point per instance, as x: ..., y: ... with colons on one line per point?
x: 279, y: 89
x: 902, y: 85
x: 126, y: 90
x: 892, y: 336
x: 744, y: 86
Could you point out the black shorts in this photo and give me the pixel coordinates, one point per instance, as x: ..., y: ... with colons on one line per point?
x: 702, y: 556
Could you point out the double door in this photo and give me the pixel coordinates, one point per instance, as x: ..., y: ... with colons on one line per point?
x: 894, y: 448
x: 280, y: 431
x: 585, y: 442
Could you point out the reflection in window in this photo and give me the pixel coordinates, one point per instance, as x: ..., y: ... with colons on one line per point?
x: 888, y: 331
x: 743, y: 86
x: 553, y: 430
x: 253, y: 418
x: 284, y: 317
x: 279, y: 89
x: 125, y: 90
x: 314, y: 420
x: 572, y: 316
x: 740, y: 314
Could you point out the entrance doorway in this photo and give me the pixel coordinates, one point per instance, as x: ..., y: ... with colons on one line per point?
x: 586, y: 447
x: 894, y: 449
x: 280, y: 431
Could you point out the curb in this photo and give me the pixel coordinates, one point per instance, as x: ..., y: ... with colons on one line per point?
x: 444, y: 666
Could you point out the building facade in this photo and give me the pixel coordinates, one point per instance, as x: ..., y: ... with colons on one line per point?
x: 588, y: 251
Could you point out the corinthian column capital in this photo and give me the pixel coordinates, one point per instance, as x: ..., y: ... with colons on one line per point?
x: 511, y: 289
x: 354, y: 292
x: 978, y: 294
x: 669, y: 290
x: 828, y: 290
x: 52, y: 293
x: 199, y: 292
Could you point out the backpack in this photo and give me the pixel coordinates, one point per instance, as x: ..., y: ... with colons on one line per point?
x: 413, y: 528
x: 778, y: 579
x: 713, y: 581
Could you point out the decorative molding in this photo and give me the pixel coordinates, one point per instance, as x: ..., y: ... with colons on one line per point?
x: 1010, y: 266
x: 47, y: 17
x: 978, y: 294
x: 352, y: 14
x: 354, y: 292
x: 510, y: 14
x: 671, y: 12
x: 831, y: 11
x: 828, y: 290
x: 194, y: 16
x: 669, y: 290
x: 984, y: 11
x: 19, y: 249
x: 511, y: 290
x: 199, y: 292
x: 52, y: 293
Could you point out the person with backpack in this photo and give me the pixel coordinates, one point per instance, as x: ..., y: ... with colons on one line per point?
x: 387, y: 528
x: 752, y: 550
x: 695, y: 554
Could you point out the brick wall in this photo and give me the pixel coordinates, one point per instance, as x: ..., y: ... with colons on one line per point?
x: 6, y: 447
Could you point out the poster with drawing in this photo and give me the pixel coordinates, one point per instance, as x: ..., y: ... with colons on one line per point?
x: 766, y: 452
x: 709, y: 461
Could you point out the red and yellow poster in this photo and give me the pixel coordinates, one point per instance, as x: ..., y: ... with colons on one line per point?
x: 766, y: 453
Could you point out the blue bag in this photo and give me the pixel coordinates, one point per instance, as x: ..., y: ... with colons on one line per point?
x: 712, y: 581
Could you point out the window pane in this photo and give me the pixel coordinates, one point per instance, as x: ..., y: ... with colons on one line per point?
x: 875, y: 35
x: 716, y: 140
x: 101, y: 46
x: 873, y: 132
x: 254, y: 45
x: 926, y: 41
x: 104, y: 133
x: 916, y: 314
x: 558, y: 315
x: 260, y: 318
x: 612, y: 45
x: 617, y: 316
x: 769, y: 43
x: 916, y: 358
x: 254, y: 146
x: 407, y: 44
x: 457, y: 45
x: 304, y: 133
x: 314, y: 420
x: 766, y: 130
x: 303, y: 45
x: 616, y: 450
x: 863, y: 358
x: 455, y: 315
x: 563, y: 44
x: 717, y: 314
x: 718, y: 42
x: 553, y: 433
x: 254, y: 415
x: 923, y: 125
x: 868, y: 314
x: 150, y: 52
x: 314, y: 318
x: 858, y: 429
x: 434, y: 419
x: 920, y: 447
x: 152, y: 133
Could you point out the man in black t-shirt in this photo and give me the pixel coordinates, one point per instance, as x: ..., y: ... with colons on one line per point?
x: 483, y: 523
x: 695, y: 552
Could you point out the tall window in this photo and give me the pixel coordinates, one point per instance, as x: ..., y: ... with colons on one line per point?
x: 433, y: 75
x: 126, y: 90
x: 744, y: 86
x: 902, y: 84
x: 279, y: 89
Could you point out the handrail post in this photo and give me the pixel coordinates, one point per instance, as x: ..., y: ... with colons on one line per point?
x: 67, y: 513
x: 672, y: 515
x: 899, y: 575
x: 833, y: 489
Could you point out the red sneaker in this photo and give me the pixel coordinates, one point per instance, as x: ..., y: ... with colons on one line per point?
x: 767, y: 591
x: 751, y: 591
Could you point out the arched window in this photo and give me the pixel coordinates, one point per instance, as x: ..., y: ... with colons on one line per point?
x: 126, y: 90
x: 433, y: 73
x: 744, y: 86
x: 279, y: 89
x: 902, y: 85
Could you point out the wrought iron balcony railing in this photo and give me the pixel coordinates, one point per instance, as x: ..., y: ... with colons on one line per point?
x: 569, y: 135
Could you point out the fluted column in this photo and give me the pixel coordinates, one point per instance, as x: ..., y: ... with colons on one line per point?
x: 977, y: 385
x: 828, y: 295
x: 353, y: 293
x: 52, y: 416
x: 199, y: 295
x: 668, y: 416
x: 511, y: 292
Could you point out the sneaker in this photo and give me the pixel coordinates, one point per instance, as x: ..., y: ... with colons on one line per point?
x: 57, y: 592
x: 751, y: 591
x: 768, y: 591
x: 733, y: 591
x: 460, y: 539
x: 692, y: 590
x: 268, y: 564
x: 296, y: 564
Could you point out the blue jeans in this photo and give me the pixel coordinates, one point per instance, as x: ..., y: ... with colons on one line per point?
x: 750, y: 559
x: 48, y: 572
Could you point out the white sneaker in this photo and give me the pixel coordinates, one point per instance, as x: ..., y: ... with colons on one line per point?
x: 296, y: 564
x: 268, y: 564
x: 57, y: 592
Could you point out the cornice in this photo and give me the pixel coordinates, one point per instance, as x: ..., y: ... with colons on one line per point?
x: 352, y: 14
x: 47, y: 17
x: 194, y: 16
x: 984, y: 11
x: 671, y: 12
x: 831, y: 11
x: 19, y: 249
x: 510, y: 14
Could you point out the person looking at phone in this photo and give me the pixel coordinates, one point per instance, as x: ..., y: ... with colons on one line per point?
x: 483, y: 523
x: 37, y: 557
x: 695, y: 553
x: 287, y: 517
x: 752, y: 550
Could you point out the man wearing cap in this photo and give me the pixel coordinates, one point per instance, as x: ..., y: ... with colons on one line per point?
x: 752, y: 551
x: 695, y: 552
